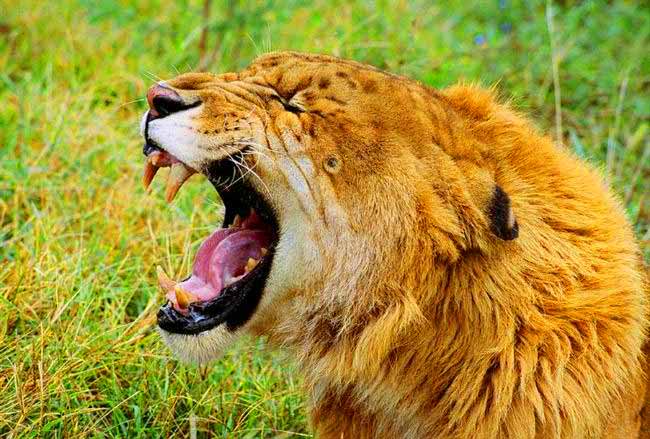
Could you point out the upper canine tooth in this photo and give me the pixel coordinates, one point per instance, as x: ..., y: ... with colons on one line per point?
x: 264, y: 251
x: 236, y: 222
x: 183, y: 298
x: 177, y: 176
x: 250, y: 264
x: 149, y: 173
x: 166, y: 284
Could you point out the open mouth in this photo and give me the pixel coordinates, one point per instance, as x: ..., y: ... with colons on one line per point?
x: 232, y: 264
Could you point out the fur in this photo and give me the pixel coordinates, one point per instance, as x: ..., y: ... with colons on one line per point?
x: 443, y: 270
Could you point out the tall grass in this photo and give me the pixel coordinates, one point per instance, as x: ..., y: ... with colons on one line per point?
x: 79, y: 238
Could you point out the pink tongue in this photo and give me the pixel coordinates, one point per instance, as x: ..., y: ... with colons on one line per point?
x: 228, y: 260
x: 222, y: 258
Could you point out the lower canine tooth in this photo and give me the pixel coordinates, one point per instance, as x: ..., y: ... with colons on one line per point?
x: 177, y: 176
x: 183, y: 297
x: 166, y: 284
x: 264, y: 251
x: 250, y: 264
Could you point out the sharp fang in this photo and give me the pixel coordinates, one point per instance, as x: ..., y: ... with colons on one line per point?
x: 264, y: 251
x: 236, y: 222
x: 250, y: 264
x: 166, y: 284
x: 149, y: 173
x: 183, y: 298
x: 177, y: 176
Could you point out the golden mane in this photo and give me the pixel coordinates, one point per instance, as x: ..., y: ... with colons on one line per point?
x: 463, y: 276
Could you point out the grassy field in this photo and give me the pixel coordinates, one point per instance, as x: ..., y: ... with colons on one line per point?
x: 79, y: 238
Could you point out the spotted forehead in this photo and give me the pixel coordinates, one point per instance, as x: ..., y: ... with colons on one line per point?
x: 340, y: 95
x: 290, y: 72
x: 200, y: 80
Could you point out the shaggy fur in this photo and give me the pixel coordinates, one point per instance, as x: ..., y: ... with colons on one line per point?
x: 444, y: 270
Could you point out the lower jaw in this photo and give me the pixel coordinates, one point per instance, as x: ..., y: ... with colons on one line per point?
x: 233, y: 307
x: 213, y: 343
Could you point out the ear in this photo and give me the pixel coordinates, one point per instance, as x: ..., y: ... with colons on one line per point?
x: 502, y: 217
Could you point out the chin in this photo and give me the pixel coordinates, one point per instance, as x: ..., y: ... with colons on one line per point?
x: 200, y: 348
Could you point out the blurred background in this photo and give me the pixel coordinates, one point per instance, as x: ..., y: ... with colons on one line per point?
x: 80, y: 239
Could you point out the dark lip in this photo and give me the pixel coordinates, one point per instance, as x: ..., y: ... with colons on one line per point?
x: 149, y: 144
x: 233, y: 306
x: 236, y: 303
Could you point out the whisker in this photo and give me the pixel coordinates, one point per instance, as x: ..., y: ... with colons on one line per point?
x: 153, y: 76
x: 256, y: 175
x: 242, y: 174
x: 259, y: 147
x: 234, y: 172
x: 130, y: 102
x: 255, y: 152
x: 249, y: 170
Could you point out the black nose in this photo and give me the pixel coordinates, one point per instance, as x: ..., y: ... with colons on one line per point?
x: 164, y: 101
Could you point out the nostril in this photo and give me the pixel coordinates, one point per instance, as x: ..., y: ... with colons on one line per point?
x: 167, y: 104
x: 164, y: 101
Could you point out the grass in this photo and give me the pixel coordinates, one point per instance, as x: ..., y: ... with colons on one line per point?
x: 79, y: 239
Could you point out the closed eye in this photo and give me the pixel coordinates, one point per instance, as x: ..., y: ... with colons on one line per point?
x: 290, y: 106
